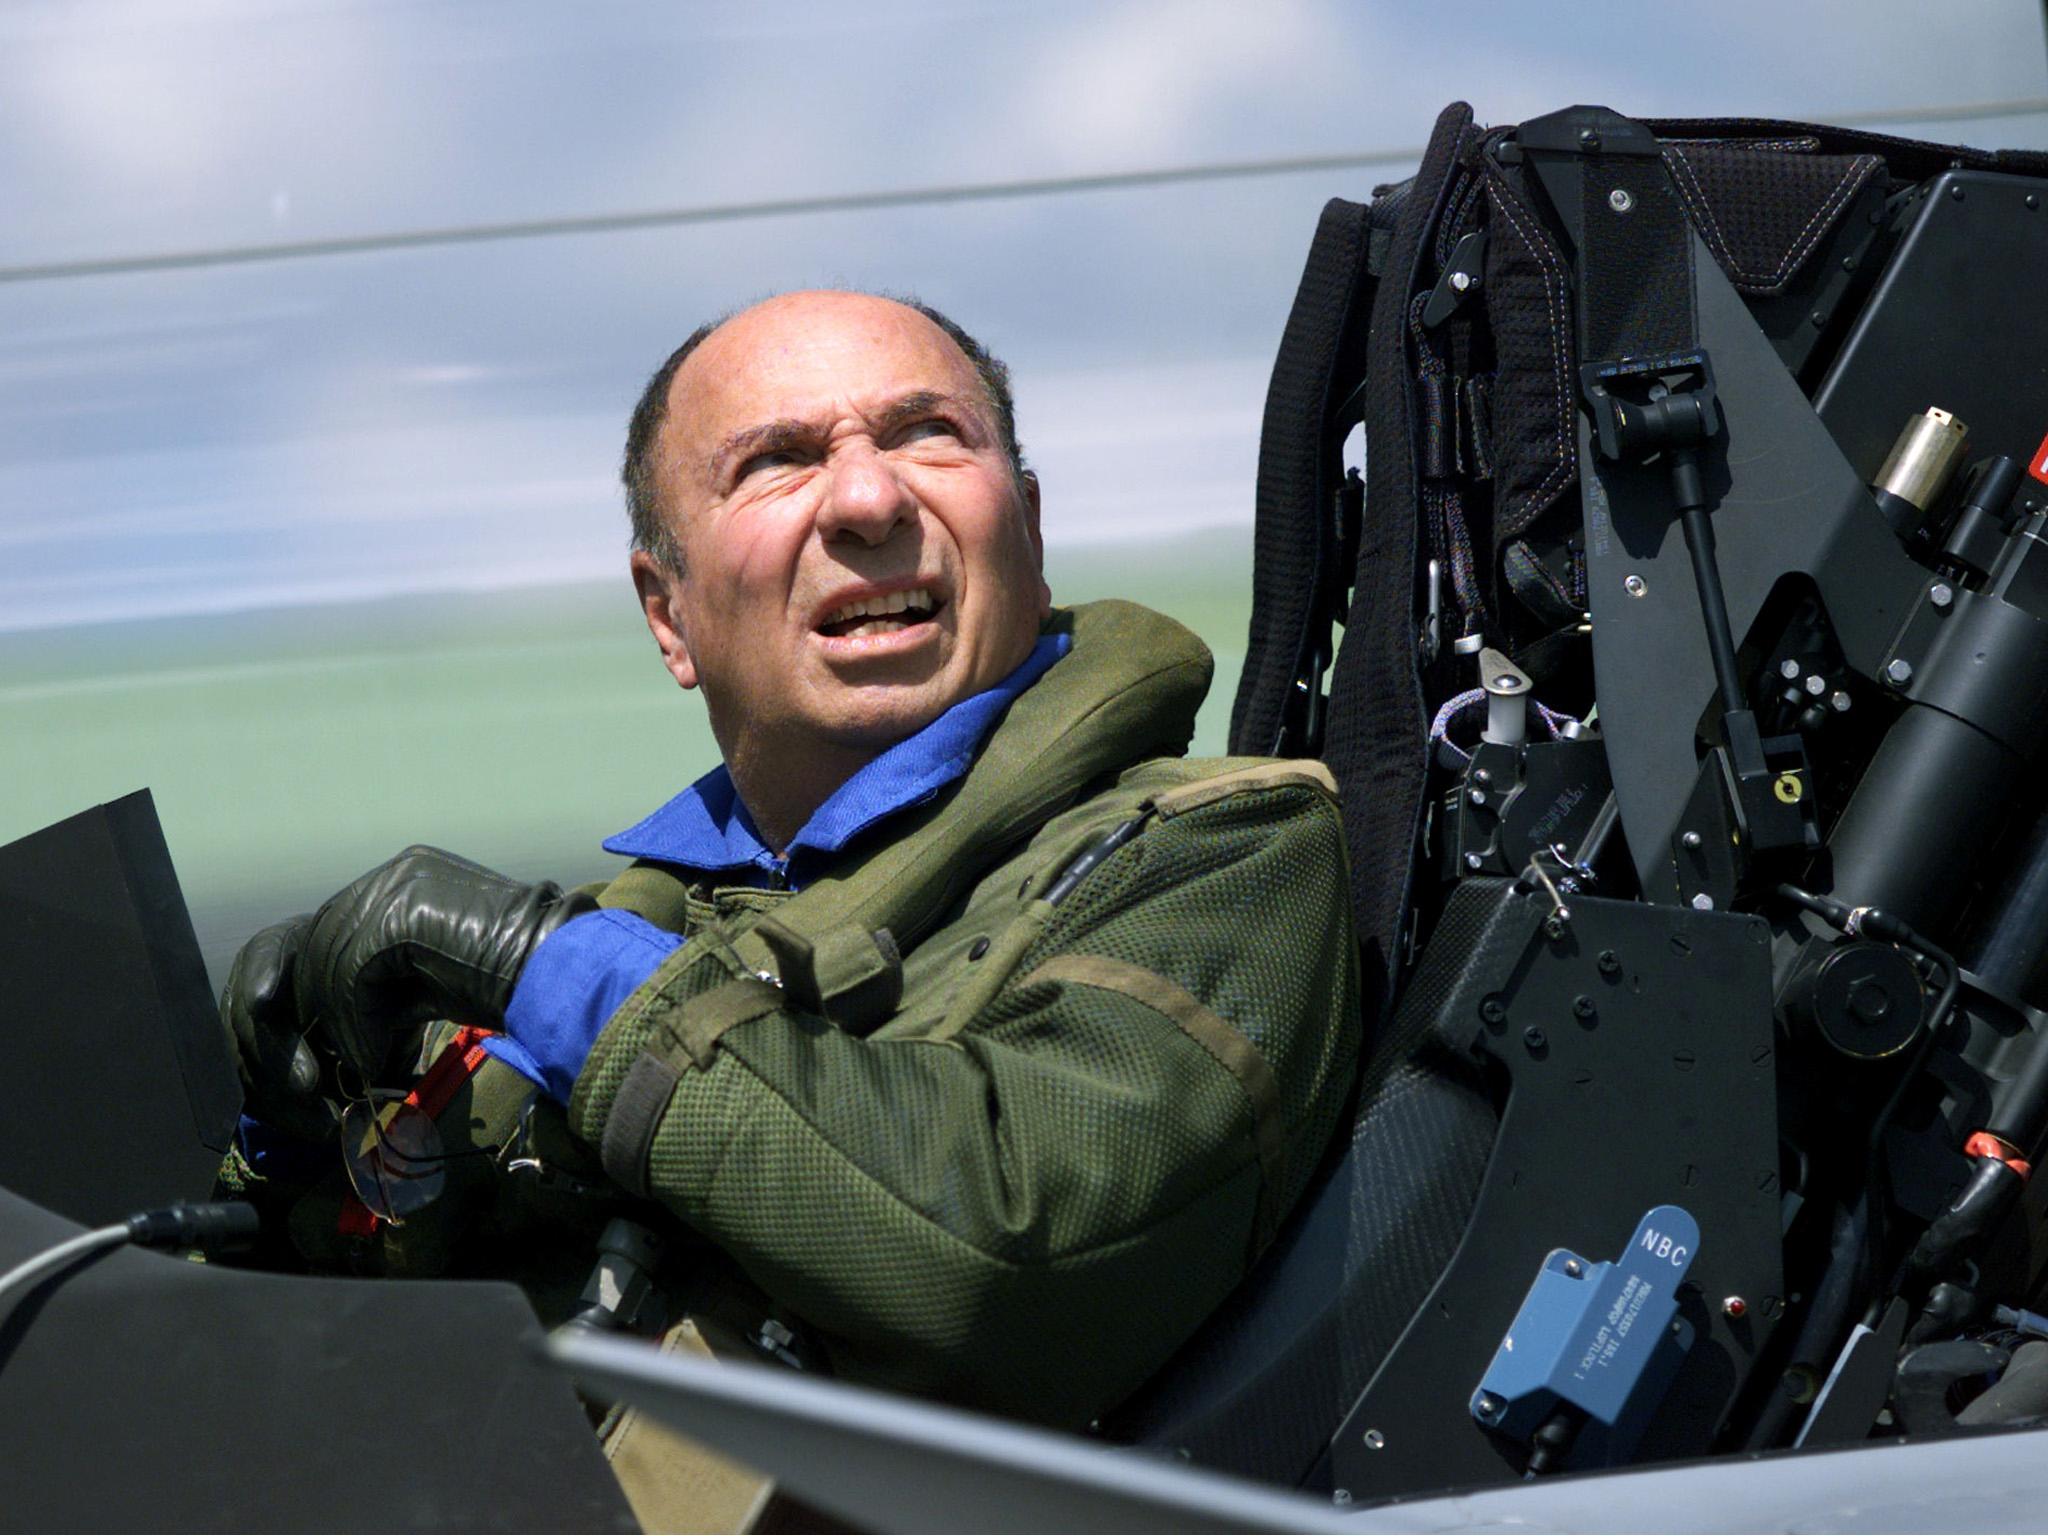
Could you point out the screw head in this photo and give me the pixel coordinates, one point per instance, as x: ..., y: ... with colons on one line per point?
x: 1691, y: 840
x: 1553, y: 925
x: 1838, y: 701
x: 1588, y: 139
x: 1848, y: 263
x: 1733, y: 1307
x: 1941, y: 594
x: 1481, y: 776
x: 1476, y: 795
x: 1955, y: 192
x: 1340, y: 1495
x: 1818, y: 319
x: 1375, y: 1441
x: 1816, y: 684
x: 1703, y: 902
x: 1635, y: 586
x: 1898, y: 672
x: 1789, y: 668
x: 1488, y: 1405
x: 1582, y: 1006
x: 1534, y: 1038
x: 1574, y: 1268
x: 1491, y: 1011
x: 1620, y: 201
x: 2033, y: 201
x: 1475, y: 861
x: 1460, y: 281
x: 1610, y: 963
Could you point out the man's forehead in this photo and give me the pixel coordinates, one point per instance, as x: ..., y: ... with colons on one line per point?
x: 806, y: 351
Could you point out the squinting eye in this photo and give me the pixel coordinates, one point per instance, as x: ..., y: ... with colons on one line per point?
x: 774, y: 459
x: 936, y: 427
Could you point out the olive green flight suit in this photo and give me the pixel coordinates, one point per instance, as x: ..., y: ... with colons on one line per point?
x: 997, y: 1134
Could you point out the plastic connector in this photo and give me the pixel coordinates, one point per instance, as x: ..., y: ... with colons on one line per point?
x: 212, y: 1226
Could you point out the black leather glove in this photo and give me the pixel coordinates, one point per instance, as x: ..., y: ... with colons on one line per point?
x: 280, y: 1077
x: 425, y: 936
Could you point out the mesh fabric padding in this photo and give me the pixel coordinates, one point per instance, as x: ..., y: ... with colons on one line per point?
x: 1535, y: 391
x: 1762, y: 212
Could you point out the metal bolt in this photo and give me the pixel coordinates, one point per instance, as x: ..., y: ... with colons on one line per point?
x: 1534, y: 1038
x: 1635, y: 586
x: 1816, y: 684
x: 1553, y: 925
x: 1375, y: 1441
x: 1487, y: 1404
x: 1691, y: 839
x: 1610, y: 963
x: 1481, y: 776
x: 1589, y: 139
x: 1734, y: 1307
x: 1703, y: 902
x: 1899, y: 672
x: 1848, y: 263
x: 1574, y: 1268
x: 1491, y: 1011
x: 1941, y: 594
x: 1838, y: 701
x: 1340, y: 1495
x: 1460, y: 281
x: 1620, y: 201
x: 1789, y: 668
x: 1955, y: 192
x: 1819, y: 319
x: 1474, y: 861
x: 1476, y: 795
x: 1582, y: 1006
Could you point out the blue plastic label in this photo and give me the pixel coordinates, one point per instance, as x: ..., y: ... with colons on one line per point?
x: 1636, y: 1300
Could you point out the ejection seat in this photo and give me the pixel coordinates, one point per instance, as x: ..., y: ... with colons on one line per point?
x: 1447, y: 321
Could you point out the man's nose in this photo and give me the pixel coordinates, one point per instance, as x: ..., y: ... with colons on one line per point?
x: 865, y: 498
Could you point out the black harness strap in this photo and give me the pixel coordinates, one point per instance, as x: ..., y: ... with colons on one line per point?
x: 1299, y: 471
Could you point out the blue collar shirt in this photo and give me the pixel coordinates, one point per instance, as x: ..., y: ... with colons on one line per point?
x: 585, y: 969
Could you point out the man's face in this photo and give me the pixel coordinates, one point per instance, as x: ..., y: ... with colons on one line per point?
x: 857, y: 555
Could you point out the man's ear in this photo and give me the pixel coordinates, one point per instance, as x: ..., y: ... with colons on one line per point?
x: 660, y: 592
x: 1030, y: 484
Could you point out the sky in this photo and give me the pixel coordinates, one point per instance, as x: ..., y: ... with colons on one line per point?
x: 186, y: 430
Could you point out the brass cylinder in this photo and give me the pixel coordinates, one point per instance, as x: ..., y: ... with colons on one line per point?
x: 1924, y: 459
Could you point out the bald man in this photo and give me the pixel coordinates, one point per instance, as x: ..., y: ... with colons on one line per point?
x: 985, y: 1033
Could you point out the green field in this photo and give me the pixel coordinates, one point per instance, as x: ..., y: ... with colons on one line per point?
x: 289, y: 750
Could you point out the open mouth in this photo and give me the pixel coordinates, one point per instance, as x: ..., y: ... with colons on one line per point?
x: 884, y: 615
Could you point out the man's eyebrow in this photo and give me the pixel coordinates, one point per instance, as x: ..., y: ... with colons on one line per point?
x: 916, y: 404
x: 769, y: 436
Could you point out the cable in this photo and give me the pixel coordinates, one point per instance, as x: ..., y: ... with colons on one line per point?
x: 32, y: 1269
x: 211, y: 1227
x: 905, y: 197
x: 709, y: 213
